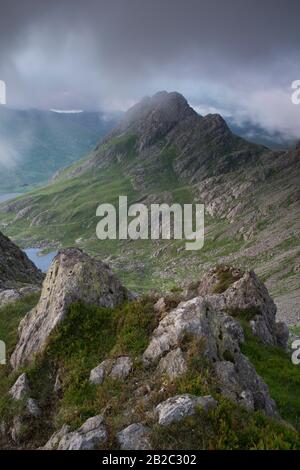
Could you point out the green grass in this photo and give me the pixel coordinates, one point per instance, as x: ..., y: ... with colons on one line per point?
x: 10, y: 317
x: 283, y: 378
x: 296, y: 330
x: 227, y: 428
x: 88, y: 336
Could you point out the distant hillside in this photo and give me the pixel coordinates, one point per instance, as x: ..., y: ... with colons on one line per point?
x: 163, y: 151
x: 36, y: 144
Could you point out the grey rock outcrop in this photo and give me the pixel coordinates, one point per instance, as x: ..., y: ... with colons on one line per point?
x: 121, y: 368
x: 88, y: 437
x: 73, y: 276
x: 204, y: 318
x: 240, y: 382
x: 176, y: 408
x: 20, y: 389
x: 243, y: 291
x: 99, y: 372
x: 134, y: 437
x: 117, y: 369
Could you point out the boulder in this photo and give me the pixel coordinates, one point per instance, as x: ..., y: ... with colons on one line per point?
x: 20, y: 389
x: 230, y: 289
x: 73, y: 276
x: 240, y: 382
x: 117, y: 369
x: 121, y: 368
x: 176, y: 408
x: 134, y: 437
x: 99, y: 373
x: 203, y: 318
x: 88, y: 437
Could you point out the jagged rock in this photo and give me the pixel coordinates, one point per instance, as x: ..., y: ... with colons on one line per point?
x: 242, y: 291
x: 211, y: 279
x: 55, y: 439
x: 121, y: 368
x: 117, y: 369
x: 33, y: 408
x: 73, y: 276
x: 204, y: 318
x: 173, y: 364
x: 196, y: 317
x: 240, y: 383
x: 88, y: 437
x: 176, y: 408
x: 134, y: 437
x: 99, y: 373
x: 20, y: 388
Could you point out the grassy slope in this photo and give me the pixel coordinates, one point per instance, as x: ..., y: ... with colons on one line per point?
x: 68, y: 214
x: 65, y: 212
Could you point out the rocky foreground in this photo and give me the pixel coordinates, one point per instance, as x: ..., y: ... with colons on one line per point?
x: 95, y: 368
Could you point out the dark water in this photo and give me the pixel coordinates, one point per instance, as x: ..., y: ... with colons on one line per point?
x: 42, y: 262
x: 7, y: 197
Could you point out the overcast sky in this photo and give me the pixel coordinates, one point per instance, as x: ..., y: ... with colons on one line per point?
x: 233, y: 56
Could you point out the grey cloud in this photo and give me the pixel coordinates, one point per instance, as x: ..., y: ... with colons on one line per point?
x: 107, y: 54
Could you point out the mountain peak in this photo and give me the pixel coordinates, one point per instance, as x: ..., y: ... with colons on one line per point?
x: 154, y: 116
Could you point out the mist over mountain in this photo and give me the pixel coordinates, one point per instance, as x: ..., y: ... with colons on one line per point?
x: 34, y: 144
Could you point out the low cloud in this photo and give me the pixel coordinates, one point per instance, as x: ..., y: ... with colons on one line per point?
x: 237, y: 57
